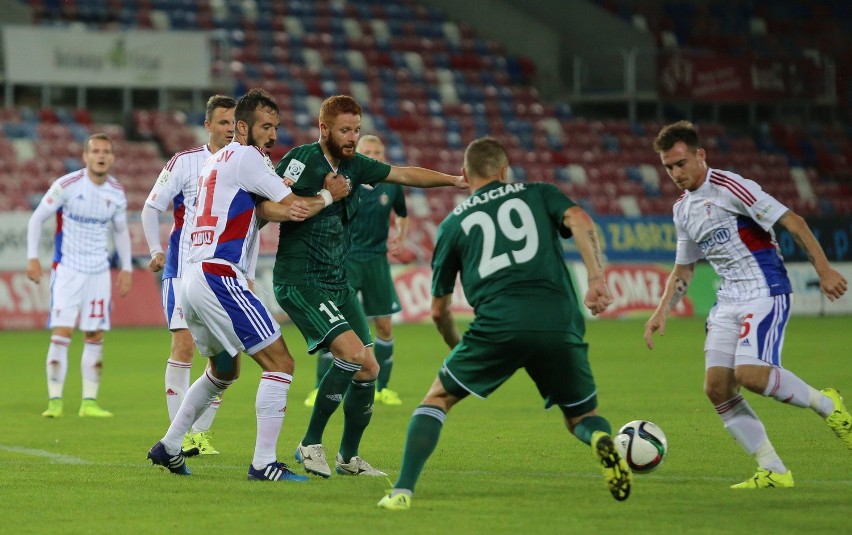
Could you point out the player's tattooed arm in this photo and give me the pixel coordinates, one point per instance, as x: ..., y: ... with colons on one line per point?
x: 680, y: 287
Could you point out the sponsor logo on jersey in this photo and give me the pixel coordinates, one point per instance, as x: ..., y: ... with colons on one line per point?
x: 294, y: 170
x: 202, y: 237
x: 164, y: 177
x: 719, y: 236
x: 761, y: 215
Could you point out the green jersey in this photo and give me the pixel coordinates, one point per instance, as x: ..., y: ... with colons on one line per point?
x: 370, y: 228
x: 504, y: 240
x: 314, y: 252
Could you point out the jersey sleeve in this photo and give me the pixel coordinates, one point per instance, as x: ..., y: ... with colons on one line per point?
x: 291, y: 166
x: 764, y: 209
x: 556, y: 202
x: 169, y: 183
x: 256, y: 175
x: 686, y: 250
x: 446, y: 262
x: 54, y: 198
x: 399, y: 206
x: 368, y: 170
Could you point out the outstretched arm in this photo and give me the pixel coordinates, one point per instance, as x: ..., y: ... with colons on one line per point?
x: 295, y: 208
x: 831, y: 282
x: 676, y: 287
x: 585, y: 234
x: 424, y: 178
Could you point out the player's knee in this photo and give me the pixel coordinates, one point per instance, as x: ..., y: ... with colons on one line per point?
x: 752, y: 378
x: 93, y: 337
x: 369, y: 367
x: 356, y: 354
x: 718, y: 392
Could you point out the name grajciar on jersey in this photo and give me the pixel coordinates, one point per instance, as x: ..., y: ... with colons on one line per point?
x: 486, y: 196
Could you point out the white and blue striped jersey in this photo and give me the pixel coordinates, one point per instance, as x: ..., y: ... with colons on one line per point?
x: 178, y: 185
x: 728, y: 220
x: 84, y: 213
x: 225, y: 225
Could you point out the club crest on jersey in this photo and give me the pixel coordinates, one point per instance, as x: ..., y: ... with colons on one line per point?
x: 707, y: 208
x: 164, y: 177
x: 294, y: 170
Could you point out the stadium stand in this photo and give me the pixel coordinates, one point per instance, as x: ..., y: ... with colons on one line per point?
x: 428, y: 85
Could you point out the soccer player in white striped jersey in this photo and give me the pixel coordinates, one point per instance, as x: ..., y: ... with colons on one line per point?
x: 727, y: 220
x: 88, y: 204
x: 238, y: 187
x: 177, y: 185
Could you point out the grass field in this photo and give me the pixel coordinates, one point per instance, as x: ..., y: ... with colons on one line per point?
x: 502, y: 466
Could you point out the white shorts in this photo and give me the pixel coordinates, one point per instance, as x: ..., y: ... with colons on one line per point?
x: 222, y: 313
x: 74, y: 294
x: 747, y: 333
x: 173, y: 304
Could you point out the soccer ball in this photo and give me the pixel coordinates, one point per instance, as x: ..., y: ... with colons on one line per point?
x: 642, y: 444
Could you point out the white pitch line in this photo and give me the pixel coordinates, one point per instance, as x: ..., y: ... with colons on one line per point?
x: 52, y: 457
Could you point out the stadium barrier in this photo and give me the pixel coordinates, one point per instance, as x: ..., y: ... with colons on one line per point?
x: 636, y: 289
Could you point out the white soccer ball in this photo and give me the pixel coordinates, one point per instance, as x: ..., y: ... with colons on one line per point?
x: 642, y: 444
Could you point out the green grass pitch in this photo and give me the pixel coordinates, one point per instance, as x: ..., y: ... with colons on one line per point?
x: 502, y: 465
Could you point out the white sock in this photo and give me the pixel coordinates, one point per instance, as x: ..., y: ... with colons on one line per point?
x: 748, y: 431
x: 177, y: 383
x: 767, y: 458
x: 270, y: 405
x: 199, y: 396
x: 205, y: 421
x: 784, y: 386
x: 822, y: 404
x: 57, y: 365
x: 90, y: 368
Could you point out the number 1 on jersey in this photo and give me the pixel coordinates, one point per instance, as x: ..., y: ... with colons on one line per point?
x: 205, y: 217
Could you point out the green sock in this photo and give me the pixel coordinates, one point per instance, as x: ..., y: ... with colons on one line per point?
x: 357, y: 411
x: 424, y: 429
x: 589, y: 425
x: 332, y: 388
x: 384, y: 356
x: 324, y: 362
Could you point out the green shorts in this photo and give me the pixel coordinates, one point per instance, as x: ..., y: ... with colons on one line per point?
x: 373, y: 280
x: 556, y: 361
x: 322, y: 315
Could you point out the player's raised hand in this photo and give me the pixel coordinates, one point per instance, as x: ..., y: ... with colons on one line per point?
x: 657, y: 322
x: 157, y: 262
x: 833, y: 284
x: 34, y: 272
x: 337, y: 185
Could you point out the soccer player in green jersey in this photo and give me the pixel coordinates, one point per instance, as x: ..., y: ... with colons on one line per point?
x: 368, y: 270
x: 504, y: 241
x: 309, y: 279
